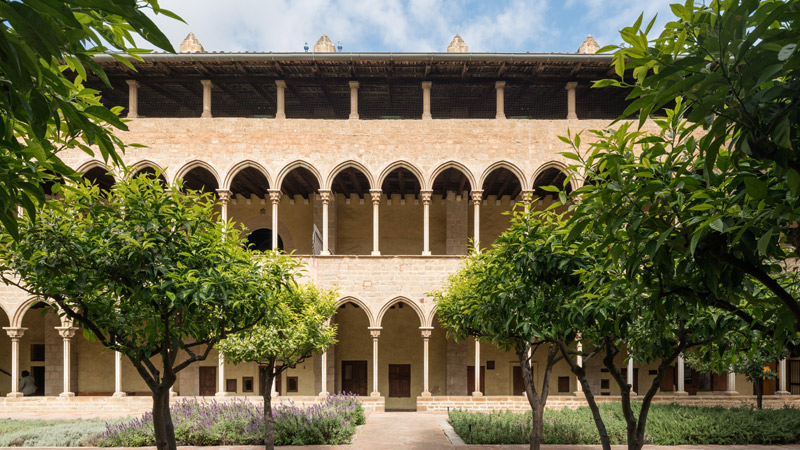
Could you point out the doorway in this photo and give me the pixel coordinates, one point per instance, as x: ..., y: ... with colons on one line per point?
x: 208, y: 381
x: 354, y: 377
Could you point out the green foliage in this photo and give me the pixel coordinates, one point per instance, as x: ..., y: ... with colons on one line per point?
x: 667, y: 425
x: 49, y: 433
x: 46, y: 51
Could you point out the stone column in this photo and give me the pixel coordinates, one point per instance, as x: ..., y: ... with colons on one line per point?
x: 325, y: 197
x: 354, y: 99
x: 426, y: 100
x: 579, y: 360
x: 221, y: 376
x: 274, y: 392
x: 133, y: 99
x: 477, y: 392
x: 275, y: 198
x: 527, y: 199
x: 15, y: 334
x: 224, y: 196
x: 571, y: 100
x: 376, y: 202
x: 476, y: 217
x: 376, y: 333
x: 681, y: 376
x: 426, y: 336
x: 426, y: 222
x: 732, y: 383
x: 324, y: 374
x: 66, y: 333
x: 280, y: 108
x: 630, y: 374
x: 782, y: 374
x: 206, y: 98
x: 118, y: 392
x: 501, y: 107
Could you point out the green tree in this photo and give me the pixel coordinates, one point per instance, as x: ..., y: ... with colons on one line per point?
x: 510, y: 296
x: 46, y: 50
x: 147, y: 271
x: 298, y: 328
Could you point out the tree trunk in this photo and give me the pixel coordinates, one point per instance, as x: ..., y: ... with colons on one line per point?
x: 537, y: 417
x: 759, y: 393
x: 162, y: 420
x: 269, y: 421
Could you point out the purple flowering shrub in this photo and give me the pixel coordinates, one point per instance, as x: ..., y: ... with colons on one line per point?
x: 239, y: 422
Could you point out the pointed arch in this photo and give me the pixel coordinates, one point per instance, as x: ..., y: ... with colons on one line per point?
x: 560, y: 166
x: 364, y: 307
x: 15, y: 319
x: 505, y: 165
x: 91, y: 164
x: 193, y: 165
x: 346, y: 165
x: 431, y: 315
x: 451, y: 165
x: 401, y: 165
x: 396, y: 300
x: 143, y: 164
x: 294, y: 165
x: 7, y: 313
x: 262, y: 221
x: 226, y: 184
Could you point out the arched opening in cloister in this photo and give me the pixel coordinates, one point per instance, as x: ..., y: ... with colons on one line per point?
x: 351, y: 358
x: 451, y: 213
x: 401, y: 214
x: 350, y: 213
x: 502, y: 190
x: 299, y: 210
x: 100, y: 177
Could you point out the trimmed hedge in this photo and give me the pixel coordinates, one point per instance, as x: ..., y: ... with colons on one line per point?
x: 666, y: 425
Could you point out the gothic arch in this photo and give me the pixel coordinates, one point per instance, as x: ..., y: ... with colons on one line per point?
x: 15, y: 320
x: 362, y: 305
x: 262, y: 221
x: 226, y: 184
x: 452, y: 165
x: 136, y: 167
x: 294, y: 165
x: 195, y: 164
x: 346, y: 165
x: 504, y: 165
x: 548, y: 165
x: 401, y: 165
x: 406, y: 300
x: 92, y: 163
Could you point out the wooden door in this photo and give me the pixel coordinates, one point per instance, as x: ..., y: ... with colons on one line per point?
x: 793, y: 378
x: 471, y: 380
x: 38, y: 375
x: 399, y: 380
x: 670, y: 379
x: 354, y: 377
x: 518, y: 381
x: 208, y: 381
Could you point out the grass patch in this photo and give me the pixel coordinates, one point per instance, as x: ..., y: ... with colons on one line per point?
x: 49, y: 433
x: 666, y: 425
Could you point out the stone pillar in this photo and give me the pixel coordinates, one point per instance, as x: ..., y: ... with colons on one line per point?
x: 630, y: 374
x: 224, y: 196
x: 325, y: 196
x: 501, y: 107
x: 324, y: 374
x: 457, y: 238
x: 477, y: 392
x: 579, y: 360
x: 457, y: 361
x: 354, y: 99
x: 66, y: 333
x: 275, y: 198
x: 280, y: 108
x: 426, y: 100
x: 782, y: 380
x: 15, y: 334
x: 221, y: 376
x: 527, y: 199
x: 571, y: 100
x: 118, y: 392
x: 426, y: 336
x: 206, y: 98
x: 681, y: 376
x: 376, y: 333
x: 426, y: 222
x: 376, y: 202
x: 133, y: 99
x: 274, y: 392
x: 732, y: 383
x: 476, y: 217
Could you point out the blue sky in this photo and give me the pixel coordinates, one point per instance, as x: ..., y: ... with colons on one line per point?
x: 405, y: 25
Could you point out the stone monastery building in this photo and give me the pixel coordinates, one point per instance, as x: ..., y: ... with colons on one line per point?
x: 379, y: 171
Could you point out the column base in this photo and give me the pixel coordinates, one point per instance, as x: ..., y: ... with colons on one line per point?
x: 375, y: 394
x: 275, y: 394
x: 572, y: 116
x: 425, y: 394
x: 119, y: 394
x: 783, y: 393
x: 324, y: 253
x: 634, y: 394
x: 426, y: 253
x: 173, y: 394
x: 323, y: 394
x: 579, y: 394
x: 681, y: 394
x: 500, y: 117
x: 477, y: 394
x: 15, y: 394
x: 206, y: 115
x: 280, y: 116
x: 353, y: 116
x: 222, y: 394
x: 66, y: 394
x: 731, y: 392
x: 427, y: 117
x: 375, y: 253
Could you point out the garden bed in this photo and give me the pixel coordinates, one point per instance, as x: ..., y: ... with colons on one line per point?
x: 666, y: 425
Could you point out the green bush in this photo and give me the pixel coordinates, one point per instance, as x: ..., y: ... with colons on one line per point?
x: 49, y: 433
x: 666, y: 425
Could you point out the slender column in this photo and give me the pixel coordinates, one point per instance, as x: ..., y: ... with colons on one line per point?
x: 354, y: 99
x: 426, y: 221
x: 426, y: 336
x: 274, y: 391
x: 732, y: 383
x: 501, y: 108
x: 579, y: 361
x: 571, y: 99
x: 782, y: 374
x: 133, y: 99
x: 527, y: 199
x: 426, y: 100
x: 172, y: 392
x: 324, y: 374
x: 15, y: 334
x: 476, y: 217
x: 224, y: 196
x: 477, y: 392
x: 206, y: 98
x: 630, y: 374
x: 325, y: 196
x: 376, y: 202
x: 376, y: 333
x: 681, y: 376
x: 275, y: 198
x: 118, y: 375
x: 280, y: 109
x: 221, y: 376
x: 66, y: 333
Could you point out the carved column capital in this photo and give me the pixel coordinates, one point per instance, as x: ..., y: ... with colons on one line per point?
x: 280, y: 83
x: 275, y: 196
x: 353, y: 84
x: 224, y: 196
x: 499, y: 84
x: 571, y: 85
x: 426, y: 197
x: 133, y: 83
x: 527, y: 197
x: 66, y: 332
x: 325, y: 196
x: 375, y: 194
x: 426, y: 332
x: 477, y: 196
x: 15, y: 333
x: 375, y: 332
